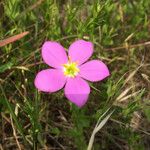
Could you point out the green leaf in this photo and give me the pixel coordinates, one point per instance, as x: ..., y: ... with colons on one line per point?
x: 55, y: 131
x: 6, y: 67
x: 147, y: 113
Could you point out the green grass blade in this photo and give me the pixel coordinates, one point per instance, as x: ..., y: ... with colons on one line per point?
x: 11, y: 111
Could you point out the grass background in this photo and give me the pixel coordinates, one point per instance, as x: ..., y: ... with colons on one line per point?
x: 120, y: 31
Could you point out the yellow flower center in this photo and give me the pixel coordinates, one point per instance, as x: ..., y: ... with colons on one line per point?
x: 70, y: 69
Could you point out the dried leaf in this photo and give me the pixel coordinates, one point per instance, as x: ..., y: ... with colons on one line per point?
x: 13, y: 38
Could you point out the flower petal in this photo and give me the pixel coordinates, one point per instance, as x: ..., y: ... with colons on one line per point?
x: 50, y: 80
x: 80, y: 51
x: 54, y: 54
x: 77, y: 91
x: 94, y: 70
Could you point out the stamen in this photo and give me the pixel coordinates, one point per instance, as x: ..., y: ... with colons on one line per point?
x: 70, y: 69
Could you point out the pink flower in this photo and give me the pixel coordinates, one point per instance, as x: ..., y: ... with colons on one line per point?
x: 70, y: 72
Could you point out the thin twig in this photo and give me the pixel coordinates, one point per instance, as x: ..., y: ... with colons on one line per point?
x: 123, y: 124
x: 1, y: 148
x: 15, y: 134
x: 129, y: 46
